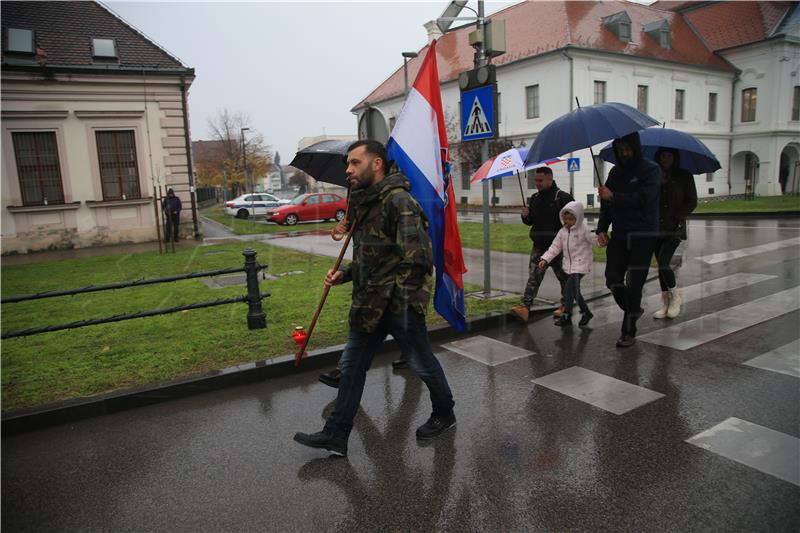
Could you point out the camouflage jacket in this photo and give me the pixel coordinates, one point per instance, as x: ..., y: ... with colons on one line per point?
x: 392, y: 257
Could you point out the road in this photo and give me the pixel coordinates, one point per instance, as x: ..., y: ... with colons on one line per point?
x: 695, y: 428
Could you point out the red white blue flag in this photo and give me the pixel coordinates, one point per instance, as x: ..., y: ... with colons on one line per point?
x: 418, y: 144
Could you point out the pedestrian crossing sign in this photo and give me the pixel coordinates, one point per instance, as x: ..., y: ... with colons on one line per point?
x: 574, y: 164
x: 478, y: 114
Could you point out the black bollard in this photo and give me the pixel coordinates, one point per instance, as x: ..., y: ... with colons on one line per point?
x: 256, y: 318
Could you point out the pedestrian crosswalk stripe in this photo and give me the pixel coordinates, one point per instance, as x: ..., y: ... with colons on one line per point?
x: 611, y: 313
x: 758, y: 447
x: 687, y: 335
x: 745, y: 252
x: 486, y: 350
x: 597, y: 389
x: 785, y: 360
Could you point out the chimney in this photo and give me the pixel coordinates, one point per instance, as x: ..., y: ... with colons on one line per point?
x: 433, y: 31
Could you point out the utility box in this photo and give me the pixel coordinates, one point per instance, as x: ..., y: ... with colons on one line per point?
x: 495, y: 37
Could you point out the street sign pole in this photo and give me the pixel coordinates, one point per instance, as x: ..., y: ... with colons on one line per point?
x: 480, y: 60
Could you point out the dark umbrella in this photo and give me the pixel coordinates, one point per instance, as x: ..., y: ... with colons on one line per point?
x: 324, y: 161
x: 695, y: 156
x: 586, y: 126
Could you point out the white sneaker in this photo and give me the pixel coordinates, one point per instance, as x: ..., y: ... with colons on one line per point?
x: 662, y: 313
x: 675, y: 301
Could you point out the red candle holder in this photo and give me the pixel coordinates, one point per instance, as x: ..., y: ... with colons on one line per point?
x: 299, y: 335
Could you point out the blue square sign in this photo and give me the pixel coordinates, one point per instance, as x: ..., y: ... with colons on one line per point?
x: 573, y: 164
x: 478, y: 114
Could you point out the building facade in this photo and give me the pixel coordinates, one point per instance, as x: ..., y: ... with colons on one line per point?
x: 726, y: 72
x: 94, y: 128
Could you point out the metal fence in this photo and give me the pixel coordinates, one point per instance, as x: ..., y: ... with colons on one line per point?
x: 256, y: 318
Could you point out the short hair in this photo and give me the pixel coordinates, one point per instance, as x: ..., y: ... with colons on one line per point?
x: 544, y: 170
x: 371, y: 147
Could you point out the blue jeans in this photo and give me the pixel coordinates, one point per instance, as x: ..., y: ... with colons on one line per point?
x: 411, y: 334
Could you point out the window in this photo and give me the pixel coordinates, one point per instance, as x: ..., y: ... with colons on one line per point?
x: 328, y: 199
x: 497, y: 184
x: 601, y: 168
x: 119, y: 172
x: 20, y: 40
x: 532, y: 101
x: 709, y: 177
x: 313, y: 200
x: 531, y: 179
x: 712, y: 107
x: 104, y: 48
x: 664, y: 38
x: 392, y: 122
x: 624, y: 31
x: 466, y: 175
x: 641, y: 98
x: 749, y: 104
x: 38, y: 168
x: 599, y: 92
x: 796, y: 103
x: 680, y: 95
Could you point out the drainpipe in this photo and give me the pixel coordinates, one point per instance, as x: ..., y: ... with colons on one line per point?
x: 189, y: 168
x: 730, y: 140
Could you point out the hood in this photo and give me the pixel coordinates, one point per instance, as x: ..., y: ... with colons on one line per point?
x: 576, y: 208
x: 633, y: 140
x: 170, y: 192
x: 676, y: 165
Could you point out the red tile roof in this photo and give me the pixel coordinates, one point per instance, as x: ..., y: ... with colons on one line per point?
x: 64, y: 31
x: 727, y: 24
x: 538, y: 27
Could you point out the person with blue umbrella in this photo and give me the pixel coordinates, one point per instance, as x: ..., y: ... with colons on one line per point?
x: 629, y: 203
x: 678, y: 200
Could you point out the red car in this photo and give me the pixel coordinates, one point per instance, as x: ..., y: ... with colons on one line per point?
x: 314, y: 206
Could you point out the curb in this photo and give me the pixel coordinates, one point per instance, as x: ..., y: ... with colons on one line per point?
x: 70, y: 411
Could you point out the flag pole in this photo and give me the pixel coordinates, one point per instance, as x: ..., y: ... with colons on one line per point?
x: 299, y: 355
x: 524, y: 202
x: 594, y: 162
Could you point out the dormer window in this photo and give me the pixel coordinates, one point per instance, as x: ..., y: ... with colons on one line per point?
x: 620, y: 24
x: 660, y: 32
x: 20, y: 40
x: 104, y: 48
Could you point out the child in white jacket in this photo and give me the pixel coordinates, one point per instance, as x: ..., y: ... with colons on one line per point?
x: 574, y: 240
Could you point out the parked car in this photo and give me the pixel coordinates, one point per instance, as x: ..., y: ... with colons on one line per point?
x: 253, y: 204
x: 314, y: 206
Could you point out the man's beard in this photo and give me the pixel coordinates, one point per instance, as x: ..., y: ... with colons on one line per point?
x: 365, y: 179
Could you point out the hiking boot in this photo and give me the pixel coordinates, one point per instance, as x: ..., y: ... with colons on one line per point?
x: 560, y: 311
x: 435, y: 426
x: 400, y: 364
x: 331, y: 379
x: 337, y: 446
x: 626, y: 341
x: 585, y: 318
x: 563, y: 321
x: 521, y: 312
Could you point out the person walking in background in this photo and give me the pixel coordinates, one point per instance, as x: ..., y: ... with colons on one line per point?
x: 172, y: 210
x: 678, y: 200
x: 629, y: 203
x: 391, y: 272
x: 542, y: 214
x: 573, y: 243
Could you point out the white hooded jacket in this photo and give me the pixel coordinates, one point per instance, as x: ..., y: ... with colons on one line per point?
x: 575, y: 243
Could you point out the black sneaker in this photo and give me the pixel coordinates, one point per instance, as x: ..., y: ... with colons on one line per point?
x: 331, y: 379
x: 337, y: 446
x: 626, y: 341
x: 585, y: 318
x: 563, y: 321
x: 435, y: 426
x: 400, y: 364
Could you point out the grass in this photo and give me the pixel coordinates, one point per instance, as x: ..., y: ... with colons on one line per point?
x: 513, y: 238
x: 258, y: 225
x: 756, y: 205
x: 82, y: 362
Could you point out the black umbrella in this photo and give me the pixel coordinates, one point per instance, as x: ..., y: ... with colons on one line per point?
x: 324, y: 161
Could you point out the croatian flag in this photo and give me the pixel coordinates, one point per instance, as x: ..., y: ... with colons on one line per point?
x: 418, y: 144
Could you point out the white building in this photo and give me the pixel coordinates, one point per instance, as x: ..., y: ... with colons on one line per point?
x: 94, y: 116
x: 726, y: 72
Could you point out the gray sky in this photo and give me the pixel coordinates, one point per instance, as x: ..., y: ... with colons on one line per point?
x: 296, y: 68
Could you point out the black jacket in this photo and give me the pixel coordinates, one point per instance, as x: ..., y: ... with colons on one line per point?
x: 678, y: 198
x: 171, y: 204
x: 544, y: 208
x: 633, y: 209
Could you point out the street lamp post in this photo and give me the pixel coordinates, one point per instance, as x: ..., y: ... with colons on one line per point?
x: 406, y: 57
x: 244, y: 169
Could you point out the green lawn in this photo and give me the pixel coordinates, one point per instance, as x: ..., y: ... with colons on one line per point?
x: 756, y: 205
x: 506, y: 238
x: 258, y: 225
x: 87, y: 361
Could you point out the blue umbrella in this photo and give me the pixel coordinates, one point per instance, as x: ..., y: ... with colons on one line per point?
x: 586, y: 126
x: 695, y: 156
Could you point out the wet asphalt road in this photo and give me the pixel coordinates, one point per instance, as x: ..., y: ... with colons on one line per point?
x: 523, y: 457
